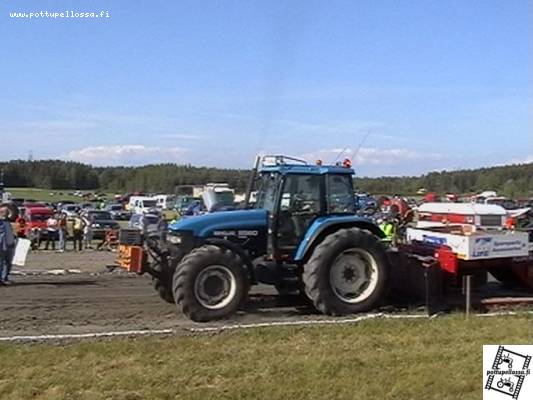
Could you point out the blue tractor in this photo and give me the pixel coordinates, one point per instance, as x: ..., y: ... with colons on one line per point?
x: 302, y: 235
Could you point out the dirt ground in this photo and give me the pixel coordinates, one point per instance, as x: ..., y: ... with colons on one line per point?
x: 73, y: 293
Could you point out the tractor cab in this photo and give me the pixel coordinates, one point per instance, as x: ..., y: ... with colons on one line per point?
x: 297, y: 194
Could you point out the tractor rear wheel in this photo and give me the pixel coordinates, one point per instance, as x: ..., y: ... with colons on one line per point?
x: 347, y: 273
x: 210, y: 283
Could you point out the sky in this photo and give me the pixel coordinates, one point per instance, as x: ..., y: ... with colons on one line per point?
x: 400, y: 87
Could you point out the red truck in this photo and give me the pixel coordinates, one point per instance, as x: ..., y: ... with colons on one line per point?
x: 36, y: 218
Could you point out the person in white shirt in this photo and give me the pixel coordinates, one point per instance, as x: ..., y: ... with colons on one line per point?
x: 51, y: 232
x: 88, y: 233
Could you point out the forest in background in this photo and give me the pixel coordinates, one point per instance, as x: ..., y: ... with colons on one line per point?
x: 510, y: 180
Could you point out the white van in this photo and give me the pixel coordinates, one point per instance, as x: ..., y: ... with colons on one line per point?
x: 141, y: 204
x: 164, y: 201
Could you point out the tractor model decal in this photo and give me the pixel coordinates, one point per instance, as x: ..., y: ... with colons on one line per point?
x: 237, y: 233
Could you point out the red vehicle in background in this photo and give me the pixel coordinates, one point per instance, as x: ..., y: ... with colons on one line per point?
x: 36, y: 218
x: 431, y: 197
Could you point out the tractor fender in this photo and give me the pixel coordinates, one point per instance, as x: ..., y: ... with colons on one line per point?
x: 237, y: 250
x: 323, y: 226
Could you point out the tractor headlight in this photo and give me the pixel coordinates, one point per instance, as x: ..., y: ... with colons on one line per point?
x: 183, y: 238
x: 175, y: 239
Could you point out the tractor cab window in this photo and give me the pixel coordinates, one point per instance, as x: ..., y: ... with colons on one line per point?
x: 301, y: 194
x: 268, y: 188
x: 340, y: 194
x: 299, y: 205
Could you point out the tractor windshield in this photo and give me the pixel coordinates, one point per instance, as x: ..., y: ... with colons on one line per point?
x: 340, y: 194
x: 267, y: 190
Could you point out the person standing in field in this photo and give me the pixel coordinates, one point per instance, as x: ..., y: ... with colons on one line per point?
x: 20, y: 224
x: 51, y: 232
x: 7, y: 247
x: 78, y: 227
x: 62, y: 230
x: 87, y: 233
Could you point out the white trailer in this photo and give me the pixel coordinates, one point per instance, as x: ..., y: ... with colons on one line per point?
x: 470, y: 244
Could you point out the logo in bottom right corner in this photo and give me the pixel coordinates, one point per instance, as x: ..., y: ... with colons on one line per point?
x: 507, y: 372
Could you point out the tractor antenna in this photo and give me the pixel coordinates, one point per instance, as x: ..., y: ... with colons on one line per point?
x: 361, y: 143
x: 340, y: 154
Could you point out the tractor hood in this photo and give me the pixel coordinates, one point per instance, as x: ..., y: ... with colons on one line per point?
x: 205, y: 225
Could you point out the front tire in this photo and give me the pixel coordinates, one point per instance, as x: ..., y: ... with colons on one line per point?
x: 163, y: 280
x: 163, y: 283
x: 210, y: 283
x: 347, y: 273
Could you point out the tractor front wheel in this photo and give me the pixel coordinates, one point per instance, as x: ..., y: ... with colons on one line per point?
x: 165, y: 271
x: 347, y: 273
x: 163, y: 282
x: 210, y: 283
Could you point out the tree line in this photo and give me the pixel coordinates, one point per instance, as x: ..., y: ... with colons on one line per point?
x: 58, y: 174
x: 511, y: 180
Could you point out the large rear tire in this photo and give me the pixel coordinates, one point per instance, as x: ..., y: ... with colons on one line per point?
x: 210, y: 283
x: 347, y: 273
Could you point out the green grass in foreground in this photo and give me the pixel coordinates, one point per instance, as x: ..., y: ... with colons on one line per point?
x: 380, y: 359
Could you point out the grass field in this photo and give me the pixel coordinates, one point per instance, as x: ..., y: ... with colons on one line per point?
x: 377, y: 359
x: 43, y: 194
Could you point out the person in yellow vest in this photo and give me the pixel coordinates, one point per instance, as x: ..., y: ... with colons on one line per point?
x: 78, y: 226
x: 388, y: 229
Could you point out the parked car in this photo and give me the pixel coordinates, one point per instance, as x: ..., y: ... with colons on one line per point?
x: 183, y: 202
x: 33, y: 204
x: 100, y: 221
x: 63, y: 203
x: 118, y: 212
x: 18, y: 201
x: 365, y: 204
x: 87, y: 206
x: 70, y: 209
x: 149, y: 224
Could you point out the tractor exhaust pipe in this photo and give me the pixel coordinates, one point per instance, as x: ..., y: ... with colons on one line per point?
x: 250, y: 187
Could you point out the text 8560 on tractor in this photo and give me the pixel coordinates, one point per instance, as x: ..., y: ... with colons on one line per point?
x: 302, y: 235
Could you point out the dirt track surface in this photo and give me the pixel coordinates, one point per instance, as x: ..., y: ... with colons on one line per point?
x: 72, y: 293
